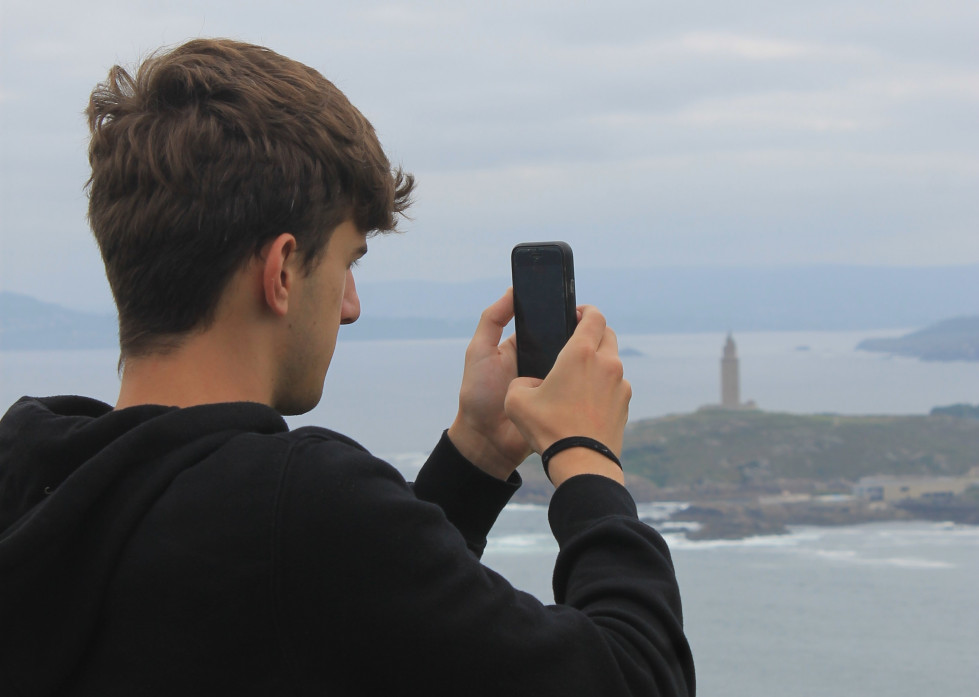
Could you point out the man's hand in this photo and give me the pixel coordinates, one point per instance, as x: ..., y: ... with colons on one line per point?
x: 583, y: 395
x: 482, y: 431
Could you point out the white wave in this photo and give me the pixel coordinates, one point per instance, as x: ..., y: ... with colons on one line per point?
x: 939, y: 532
x: 525, y: 507
x: 521, y: 543
x: 677, y: 541
x: 791, y: 540
x: 920, y: 563
x: 900, y: 535
x: 843, y: 555
x: 668, y: 527
x: 852, y: 556
x: 660, y: 510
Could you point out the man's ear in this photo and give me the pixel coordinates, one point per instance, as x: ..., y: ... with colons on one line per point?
x: 279, y: 271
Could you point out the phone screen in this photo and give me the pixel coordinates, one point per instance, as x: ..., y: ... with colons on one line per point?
x: 544, y: 305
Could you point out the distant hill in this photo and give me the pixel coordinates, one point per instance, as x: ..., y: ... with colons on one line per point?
x: 656, y: 300
x: 962, y: 411
x: 952, y: 340
x: 29, y: 324
x: 756, y: 448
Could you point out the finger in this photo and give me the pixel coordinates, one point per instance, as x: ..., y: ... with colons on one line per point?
x: 610, y: 342
x: 516, y: 394
x: 493, y: 320
x: 591, y: 328
x: 509, y: 346
x: 524, y: 383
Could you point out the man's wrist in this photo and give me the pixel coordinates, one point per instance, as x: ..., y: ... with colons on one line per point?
x: 480, y: 451
x: 563, y: 444
x: 574, y: 461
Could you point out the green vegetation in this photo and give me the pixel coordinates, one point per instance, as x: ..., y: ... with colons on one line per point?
x: 761, y: 449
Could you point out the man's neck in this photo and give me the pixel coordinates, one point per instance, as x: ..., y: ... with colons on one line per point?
x: 206, y: 368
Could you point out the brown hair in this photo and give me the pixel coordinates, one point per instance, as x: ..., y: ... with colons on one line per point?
x: 213, y: 149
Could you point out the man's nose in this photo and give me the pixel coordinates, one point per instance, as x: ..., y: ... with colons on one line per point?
x: 350, y: 309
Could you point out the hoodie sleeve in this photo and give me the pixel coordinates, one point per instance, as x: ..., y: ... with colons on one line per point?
x: 471, y: 499
x: 364, y: 568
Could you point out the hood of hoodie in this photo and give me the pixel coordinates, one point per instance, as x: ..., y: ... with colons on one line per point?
x: 76, y: 478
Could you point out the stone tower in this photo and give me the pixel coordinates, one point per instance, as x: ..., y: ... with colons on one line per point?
x: 730, y: 382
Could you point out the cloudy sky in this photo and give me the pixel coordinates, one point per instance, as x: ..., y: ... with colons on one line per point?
x: 645, y: 133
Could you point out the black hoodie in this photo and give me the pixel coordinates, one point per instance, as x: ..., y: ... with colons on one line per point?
x: 210, y: 550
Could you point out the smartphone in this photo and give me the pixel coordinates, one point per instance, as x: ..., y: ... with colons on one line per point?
x: 543, y: 304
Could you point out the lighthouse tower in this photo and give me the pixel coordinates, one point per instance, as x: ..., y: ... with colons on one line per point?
x: 730, y: 382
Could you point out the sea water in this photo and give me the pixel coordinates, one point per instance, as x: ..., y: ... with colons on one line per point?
x: 885, y: 609
x: 396, y: 396
x: 882, y: 609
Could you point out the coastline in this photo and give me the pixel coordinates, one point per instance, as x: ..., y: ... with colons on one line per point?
x: 739, y: 512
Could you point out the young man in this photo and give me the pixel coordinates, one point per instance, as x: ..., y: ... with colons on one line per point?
x: 186, y: 542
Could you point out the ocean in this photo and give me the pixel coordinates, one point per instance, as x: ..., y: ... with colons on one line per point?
x: 886, y: 609
x: 881, y: 609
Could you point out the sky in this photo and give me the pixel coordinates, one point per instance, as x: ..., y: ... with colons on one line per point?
x: 645, y: 133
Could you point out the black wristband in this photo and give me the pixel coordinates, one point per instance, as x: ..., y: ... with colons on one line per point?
x: 576, y: 442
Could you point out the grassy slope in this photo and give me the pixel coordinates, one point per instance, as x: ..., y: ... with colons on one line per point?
x: 754, y: 447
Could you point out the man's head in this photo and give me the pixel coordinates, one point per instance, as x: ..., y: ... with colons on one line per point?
x: 313, y: 305
x: 204, y: 156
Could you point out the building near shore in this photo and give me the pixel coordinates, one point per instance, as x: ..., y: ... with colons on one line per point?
x: 894, y: 488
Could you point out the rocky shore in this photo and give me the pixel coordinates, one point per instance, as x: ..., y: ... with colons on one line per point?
x: 734, y: 520
x: 731, y: 521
